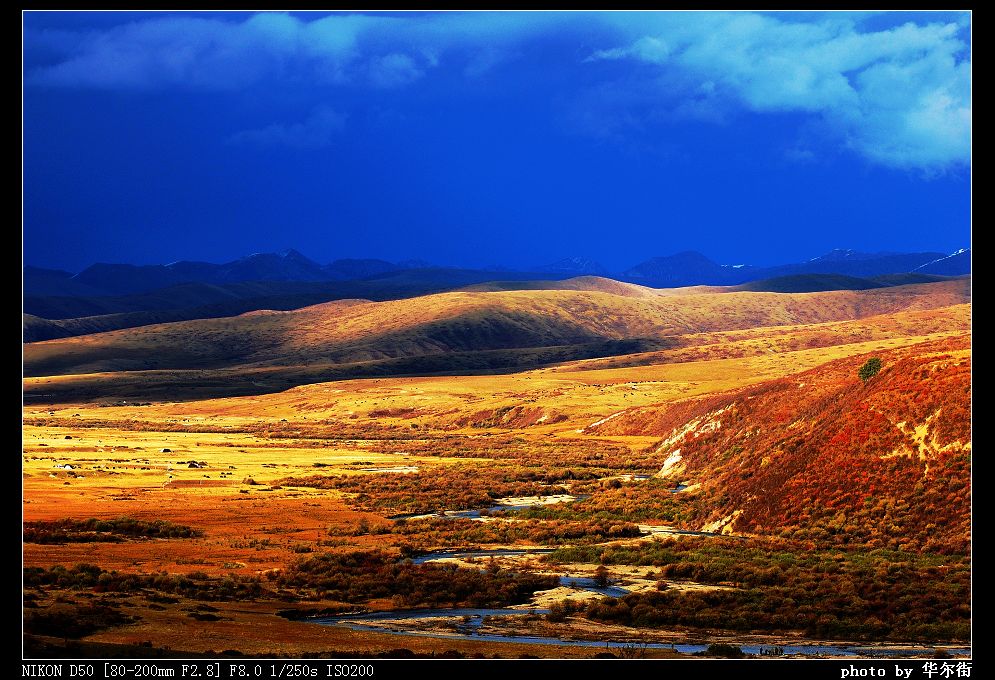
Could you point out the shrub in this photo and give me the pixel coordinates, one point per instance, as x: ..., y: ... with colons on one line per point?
x: 724, y: 650
x: 869, y: 369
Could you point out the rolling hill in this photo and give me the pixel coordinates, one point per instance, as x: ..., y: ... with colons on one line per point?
x: 459, y: 331
x: 289, y: 280
x: 820, y: 455
x: 811, y: 283
x: 585, y: 283
x: 195, y: 300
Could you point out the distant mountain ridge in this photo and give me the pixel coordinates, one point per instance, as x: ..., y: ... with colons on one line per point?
x: 850, y: 263
x: 810, y: 283
x: 687, y: 268
x: 575, y: 266
x: 691, y: 268
x: 954, y: 264
x: 289, y: 265
x: 135, y: 295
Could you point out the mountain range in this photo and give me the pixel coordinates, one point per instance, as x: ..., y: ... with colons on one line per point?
x: 112, y: 296
x: 688, y: 268
x: 126, y: 279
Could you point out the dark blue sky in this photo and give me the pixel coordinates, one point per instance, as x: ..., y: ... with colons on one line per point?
x: 476, y: 139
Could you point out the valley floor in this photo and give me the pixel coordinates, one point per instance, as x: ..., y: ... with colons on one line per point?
x: 268, y: 484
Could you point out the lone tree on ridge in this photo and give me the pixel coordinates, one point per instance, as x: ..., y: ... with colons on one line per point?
x: 869, y: 369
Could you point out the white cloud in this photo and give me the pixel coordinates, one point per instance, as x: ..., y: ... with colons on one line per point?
x: 394, y: 70
x: 210, y: 53
x: 483, y: 61
x: 215, y: 54
x: 650, y: 49
x: 900, y: 97
x: 314, y: 132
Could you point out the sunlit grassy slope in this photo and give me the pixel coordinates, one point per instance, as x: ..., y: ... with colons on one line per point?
x: 454, y: 333
x: 823, y: 455
x: 617, y: 394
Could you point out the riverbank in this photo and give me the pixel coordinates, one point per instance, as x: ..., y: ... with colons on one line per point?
x: 530, y: 626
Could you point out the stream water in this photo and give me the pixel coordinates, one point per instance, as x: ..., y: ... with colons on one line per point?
x: 467, y: 554
x: 468, y: 623
x: 569, y: 580
x: 506, y: 506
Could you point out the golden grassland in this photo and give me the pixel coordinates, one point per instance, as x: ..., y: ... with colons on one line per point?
x: 134, y: 459
x: 348, y: 332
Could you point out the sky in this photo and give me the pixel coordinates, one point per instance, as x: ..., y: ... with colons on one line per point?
x: 480, y: 139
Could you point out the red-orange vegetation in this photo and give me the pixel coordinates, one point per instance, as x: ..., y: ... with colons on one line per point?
x: 824, y: 456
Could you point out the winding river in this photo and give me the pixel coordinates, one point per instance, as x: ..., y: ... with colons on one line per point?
x: 569, y: 580
x: 469, y: 622
x: 502, y: 505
